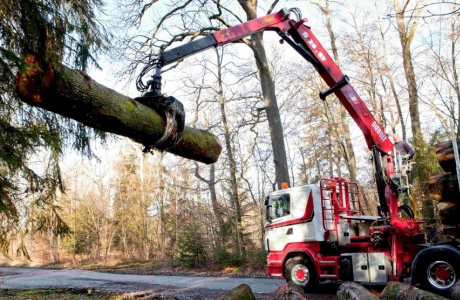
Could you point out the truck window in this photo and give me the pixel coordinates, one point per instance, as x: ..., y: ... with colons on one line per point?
x: 280, y: 206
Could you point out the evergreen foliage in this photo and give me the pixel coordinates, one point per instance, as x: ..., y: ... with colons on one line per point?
x: 426, y: 166
x: 65, y: 31
x: 191, y: 248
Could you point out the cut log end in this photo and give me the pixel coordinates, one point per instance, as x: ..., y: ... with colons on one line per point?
x: 241, y: 292
x: 354, y: 291
x: 445, y: 156
x: 289, y: 292
x: 444, y: 187
x: 401, y: 291
x: 455, y: 291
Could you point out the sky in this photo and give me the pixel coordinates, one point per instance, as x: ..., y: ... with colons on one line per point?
x: 107, y: 78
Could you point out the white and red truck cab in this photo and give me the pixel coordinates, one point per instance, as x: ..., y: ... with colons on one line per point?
x: 318, y: 232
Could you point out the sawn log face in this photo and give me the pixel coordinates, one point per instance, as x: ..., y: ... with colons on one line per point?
x: 74, y: 94
x: 444, y: 187
x: 445, y: 156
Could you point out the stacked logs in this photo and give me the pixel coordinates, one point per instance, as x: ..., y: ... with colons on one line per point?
x: 346, y: 291
x: 444, y: 187
x: 393, y: 291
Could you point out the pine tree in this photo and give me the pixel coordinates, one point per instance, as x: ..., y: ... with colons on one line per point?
x: 65, y: 31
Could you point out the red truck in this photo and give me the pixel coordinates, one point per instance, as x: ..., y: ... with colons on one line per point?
x: 318, y: 232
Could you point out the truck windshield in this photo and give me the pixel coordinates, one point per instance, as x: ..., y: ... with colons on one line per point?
x: 280, y: 206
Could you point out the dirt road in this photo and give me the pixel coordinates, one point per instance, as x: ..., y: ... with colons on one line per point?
x: 209, y: 287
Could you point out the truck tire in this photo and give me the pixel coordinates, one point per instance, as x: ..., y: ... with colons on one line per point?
x: 438, y: 273
x: 301, y: 272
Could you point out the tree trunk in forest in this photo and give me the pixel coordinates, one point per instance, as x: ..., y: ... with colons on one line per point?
x: 354, y: 291
x: 444, y: 187
x: 406, y: 35
x: 391, y: 81
x: 406, y: 40
x: 400, y: 291
x: 217, y: 210
x: 231, y: 158
x: 445, y: 156
x: 268, y: 91
x: 345, y: 137
x: 453, y: 55
x: 75, y: 95
x: 215, y: 205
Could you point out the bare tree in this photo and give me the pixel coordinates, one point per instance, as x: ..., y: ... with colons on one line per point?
x: 191, y: 19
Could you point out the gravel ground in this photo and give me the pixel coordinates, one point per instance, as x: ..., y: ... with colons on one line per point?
x: 145, y: 286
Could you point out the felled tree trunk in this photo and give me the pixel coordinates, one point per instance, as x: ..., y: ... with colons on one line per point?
x: 241, y: 292
x: 289, y: 292
x: 354, y: 291
x: 448, y: 213
x: 74, y: 94
x: 444, y: 187
x: 401, y: 291
x: 445, y: 156
x: 455, y: 291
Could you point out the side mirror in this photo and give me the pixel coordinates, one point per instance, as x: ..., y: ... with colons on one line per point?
x: 267, y: 213
x: 267, y: 208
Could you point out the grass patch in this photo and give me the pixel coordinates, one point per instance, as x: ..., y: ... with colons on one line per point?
x: 55, y: 294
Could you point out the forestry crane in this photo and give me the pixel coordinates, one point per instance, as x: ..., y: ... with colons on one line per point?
x: 318, y: 232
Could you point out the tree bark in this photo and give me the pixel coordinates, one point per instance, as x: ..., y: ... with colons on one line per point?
x: 75, y: 95
x: 455, y: 291
x: 445, y: 156
x: 406, y: 38
x: 448, y: 213
x: 268, y: 91
x: 289, y: 292
x: 390, y: 79
x: 345, y: 137
x: 399, y: 291
x: 241, y: 292
x: 230, y: 156
x: 444, y: 188
x: 354, y: 291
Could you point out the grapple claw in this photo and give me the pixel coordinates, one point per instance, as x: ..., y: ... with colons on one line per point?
x: 173, y: 111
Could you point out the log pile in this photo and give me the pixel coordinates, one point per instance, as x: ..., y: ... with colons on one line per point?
x: 347, y: 291
x: 354, y: 291
x: 444, y: 187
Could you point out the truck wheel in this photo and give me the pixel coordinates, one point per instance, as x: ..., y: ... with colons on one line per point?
x: 302, y: 273
x: 438, y: 274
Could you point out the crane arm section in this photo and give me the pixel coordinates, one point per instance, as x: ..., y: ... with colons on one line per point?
x: 301, y: 38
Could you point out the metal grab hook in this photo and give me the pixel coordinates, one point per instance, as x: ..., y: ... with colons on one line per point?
x: 169, y: 107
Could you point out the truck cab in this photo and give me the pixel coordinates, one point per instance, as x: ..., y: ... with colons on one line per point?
x: 318, y: 232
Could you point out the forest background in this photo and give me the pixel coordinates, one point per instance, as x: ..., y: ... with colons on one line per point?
x: 79, y: 194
